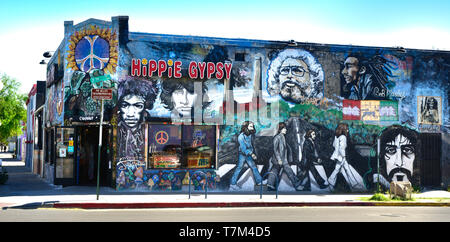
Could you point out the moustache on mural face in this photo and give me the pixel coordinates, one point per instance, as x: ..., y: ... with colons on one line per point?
x: 292, y: 91
x: 399, y: 173
x: 131, y: 122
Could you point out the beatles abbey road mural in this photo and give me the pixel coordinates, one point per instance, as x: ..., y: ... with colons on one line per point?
x: 235, y: 115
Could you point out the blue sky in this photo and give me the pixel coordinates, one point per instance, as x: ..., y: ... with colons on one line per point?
x: 29, y: 28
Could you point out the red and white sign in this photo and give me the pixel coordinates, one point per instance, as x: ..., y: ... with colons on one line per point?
x: 351, y: 109
x: 101, y: 94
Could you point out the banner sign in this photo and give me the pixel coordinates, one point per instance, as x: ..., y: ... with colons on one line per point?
x: 388, y: 110
x: 351, y: 110
x: 372, y: 110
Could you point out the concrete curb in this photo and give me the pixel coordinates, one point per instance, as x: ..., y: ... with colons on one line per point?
x: 237, y: 204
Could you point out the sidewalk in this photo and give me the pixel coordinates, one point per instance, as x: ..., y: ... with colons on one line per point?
x: 26, y: 190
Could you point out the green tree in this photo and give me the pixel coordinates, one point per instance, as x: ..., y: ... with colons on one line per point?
x: 12, y: 108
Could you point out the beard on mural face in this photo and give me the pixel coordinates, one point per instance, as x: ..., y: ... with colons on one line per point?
x: 400, y: 173
x: 292, y: 91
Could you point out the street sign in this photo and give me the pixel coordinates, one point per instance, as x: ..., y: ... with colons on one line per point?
x: 97, y: 79
x: 101, y: 94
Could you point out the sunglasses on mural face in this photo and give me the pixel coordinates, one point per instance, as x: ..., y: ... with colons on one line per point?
x: 295, y: 70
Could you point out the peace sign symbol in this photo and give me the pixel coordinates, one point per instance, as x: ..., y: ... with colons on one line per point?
x: 161, y: 137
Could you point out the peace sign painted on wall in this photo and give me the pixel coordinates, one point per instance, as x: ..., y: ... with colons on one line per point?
x: 161, y: 137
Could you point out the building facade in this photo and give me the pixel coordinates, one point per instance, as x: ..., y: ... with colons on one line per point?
x: 236, y: 114
x: 34, y: 131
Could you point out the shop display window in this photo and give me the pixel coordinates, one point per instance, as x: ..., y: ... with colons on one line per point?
x: 64, y: 152
x: 181, y: 146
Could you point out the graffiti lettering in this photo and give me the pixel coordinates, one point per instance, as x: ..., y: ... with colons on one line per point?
x: 197, y: 70
x: 429, y: 128
x: 201, y: 70
x: 146, y: 67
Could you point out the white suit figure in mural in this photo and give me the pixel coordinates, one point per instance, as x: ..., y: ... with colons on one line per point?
x: 296, y: 76
x: 351, y: 176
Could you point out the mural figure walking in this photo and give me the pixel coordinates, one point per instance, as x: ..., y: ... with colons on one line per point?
x: 279, y: 161
x: 295, y: 136
x: 351, y: 176
x: 311, y: 163
x: 246, y: 154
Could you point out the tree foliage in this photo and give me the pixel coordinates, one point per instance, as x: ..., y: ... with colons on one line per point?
x: 12, y: 108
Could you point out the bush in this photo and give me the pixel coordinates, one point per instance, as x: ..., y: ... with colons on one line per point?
x: 378, y: 197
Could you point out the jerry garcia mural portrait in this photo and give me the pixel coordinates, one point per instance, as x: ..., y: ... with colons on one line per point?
x: 296, y: 76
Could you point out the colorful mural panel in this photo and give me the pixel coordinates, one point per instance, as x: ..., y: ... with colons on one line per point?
x: 326, y: 109
x: 91, y: 61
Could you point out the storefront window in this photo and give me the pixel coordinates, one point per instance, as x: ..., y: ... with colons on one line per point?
x: 181, y: 146
x: 199, y: 145
x: 165, y: 146
x: 64, y: 152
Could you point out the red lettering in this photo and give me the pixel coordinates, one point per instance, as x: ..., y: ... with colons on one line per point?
x: 151, y: 67
x: 169, y: 74
x: 210, y: 69
x: 135, y: 67
x: 228, y: 69
x: 177, y: 69
x: 162, y: 67
x: 193, y: 74
x: 144, y: 70
x: 201, y: 68
x: 219, y: 71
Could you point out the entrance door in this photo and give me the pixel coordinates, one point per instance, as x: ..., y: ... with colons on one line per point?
x: 64, y: 153
x: 87, y: 156
x: 431, y: 159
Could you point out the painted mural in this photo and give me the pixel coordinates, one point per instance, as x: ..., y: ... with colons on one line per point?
x: 55, y: 104
x: 296, y: 76
x: 91, y: 63
x: 294, y: 119
x: 367, y: 78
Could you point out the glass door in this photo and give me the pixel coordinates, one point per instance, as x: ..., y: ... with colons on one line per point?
x: 65, y: 153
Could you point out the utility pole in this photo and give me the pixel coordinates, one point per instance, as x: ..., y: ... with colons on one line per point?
x: 100, y: 94
x: 99, y: 149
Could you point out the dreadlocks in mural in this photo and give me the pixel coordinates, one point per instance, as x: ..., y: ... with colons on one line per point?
x: 366, y: 78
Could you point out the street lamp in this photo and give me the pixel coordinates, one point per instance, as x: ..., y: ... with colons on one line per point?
x: 47, y: 54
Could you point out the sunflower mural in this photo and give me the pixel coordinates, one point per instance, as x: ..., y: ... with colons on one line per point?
x: 93, y: 48
x: 91, y: 55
